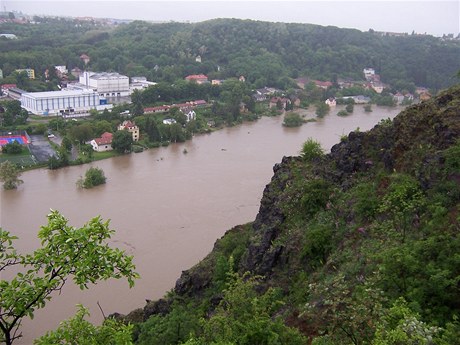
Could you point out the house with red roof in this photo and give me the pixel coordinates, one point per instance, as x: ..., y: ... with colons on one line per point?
x: 131, y: 128
x: 6, y: 87
x: 197, y: 78
x: 85, y: 58
x: 104, y: 143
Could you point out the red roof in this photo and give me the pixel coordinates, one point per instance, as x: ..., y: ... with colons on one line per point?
x: 323, y: 83
x: 156, y: 109
x: 8, y: 86
x: 128, y: 124
x: 196, y: 77
x: 106, y: 138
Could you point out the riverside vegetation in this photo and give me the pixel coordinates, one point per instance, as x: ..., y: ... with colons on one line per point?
x: 359, y: 246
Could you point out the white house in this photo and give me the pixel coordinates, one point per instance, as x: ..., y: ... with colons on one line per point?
x: 104, y: 143
x: 368, y: 73
x: 331, y: 102
x: 169, y: 121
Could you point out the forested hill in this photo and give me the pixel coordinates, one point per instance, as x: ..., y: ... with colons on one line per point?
x: 359, y: 246
x: 265, y: 53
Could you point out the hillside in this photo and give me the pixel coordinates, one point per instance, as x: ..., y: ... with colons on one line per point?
x: 359, y: 246
x: 267, y: 54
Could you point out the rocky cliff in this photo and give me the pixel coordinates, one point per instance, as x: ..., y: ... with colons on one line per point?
x: 335, y: 220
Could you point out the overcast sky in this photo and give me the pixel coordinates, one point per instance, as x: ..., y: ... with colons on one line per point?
x: 432, y: 17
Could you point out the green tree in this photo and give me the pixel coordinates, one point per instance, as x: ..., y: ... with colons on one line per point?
x: 66, y: 144
x: 349, y: 108
x: 136, y: 99
x: 122, y: 141
x: 12, y: 148
x: 81, y: 254
x: 9, y: 175
x: 322, y: 109
x: 93, y: 177
x: 292, y: 120
x: 79, y: 331
x: 82, y: 133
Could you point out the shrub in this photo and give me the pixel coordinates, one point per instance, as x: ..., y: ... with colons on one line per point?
x: 12, y: 148
x: 293, y: 120
x: 93, y: 177
x: 311, y: 149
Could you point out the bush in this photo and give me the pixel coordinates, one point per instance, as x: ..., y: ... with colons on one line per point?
x: 342, y: 113
x: 93, y: 177
x: 311, y: 149
x: 293, y: 120
x: 12, y: 148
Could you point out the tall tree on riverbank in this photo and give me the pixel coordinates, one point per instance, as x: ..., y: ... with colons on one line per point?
x: 81, y: 254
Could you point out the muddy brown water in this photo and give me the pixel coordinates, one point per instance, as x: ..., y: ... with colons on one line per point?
x: 167, y: 207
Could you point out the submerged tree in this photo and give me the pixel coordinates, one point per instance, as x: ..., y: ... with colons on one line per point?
x: 81, y: 254
x: 9, y: 175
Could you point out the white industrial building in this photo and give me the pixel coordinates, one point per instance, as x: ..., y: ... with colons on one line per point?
x: 68, y: 103
x: 105, y: 84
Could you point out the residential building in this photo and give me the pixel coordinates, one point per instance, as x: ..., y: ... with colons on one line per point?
x: 66, y: 103
x: 331, y: 102
x: 284, y: 102
x: 242, y: 78
x: 61, y: 71
x: 85, y: 58
x: 368, y: 73
x: 197, y: 78
x: 198, y: 59
x: 1, y: 74
x: 261, y: 95
x: 217, y: 82
x: 378, y: 87
x: 190, y: 113
x: 322, y: 84
x: 30, y: 72
x: 6, y: 87
x: 398, y: 97
x: 104, y: 143
x: 76, y: 72
x: 131, y: 128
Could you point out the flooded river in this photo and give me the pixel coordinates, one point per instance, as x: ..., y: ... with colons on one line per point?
x: 167, y: 207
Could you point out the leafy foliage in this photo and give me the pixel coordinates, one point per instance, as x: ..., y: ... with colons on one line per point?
x: 81, y: 254
x: 79, y: 331
x: 311, y: 149
x: 292, y: 120
x: 9, y: 175
x: 122, y: 141
x: 93, y: 177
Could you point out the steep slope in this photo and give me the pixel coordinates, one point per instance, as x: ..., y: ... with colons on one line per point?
x: 356, y: 244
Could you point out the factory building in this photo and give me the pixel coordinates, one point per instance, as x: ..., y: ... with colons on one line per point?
x: 105, y: 84
x: 67, y: 103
